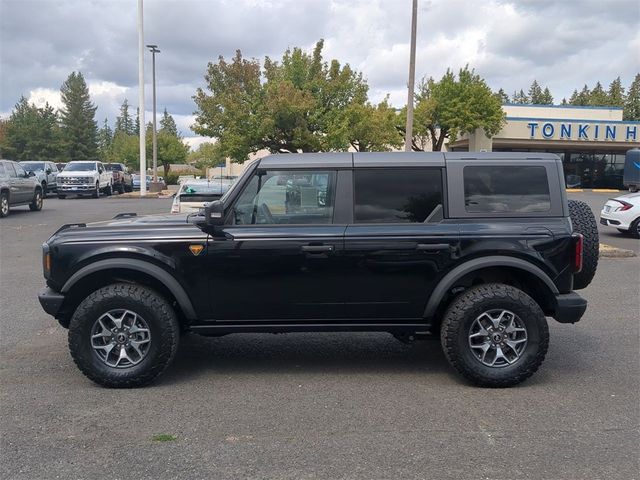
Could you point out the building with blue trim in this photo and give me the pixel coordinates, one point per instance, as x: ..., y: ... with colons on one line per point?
x: 591, y: 141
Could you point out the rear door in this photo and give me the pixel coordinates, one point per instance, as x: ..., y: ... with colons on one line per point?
x: 22, y: 187
x: 399, y: 241
x: 279, y: 256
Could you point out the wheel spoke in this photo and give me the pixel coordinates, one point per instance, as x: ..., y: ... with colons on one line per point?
x: 123, y: 356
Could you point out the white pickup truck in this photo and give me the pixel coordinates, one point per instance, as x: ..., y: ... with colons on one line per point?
x: 84, y: 178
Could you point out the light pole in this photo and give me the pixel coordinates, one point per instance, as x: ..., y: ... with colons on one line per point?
x: 412, y: 76
x: 154, y: 49
x: 143, y: 146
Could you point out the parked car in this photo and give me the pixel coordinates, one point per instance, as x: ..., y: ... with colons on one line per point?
x: 46, y: 173
x: 474, y: 249
x: 631, y: 173
x: 195, y: 194
x: 136, y: 181
x: 122, y: 179
x: 18, y: 187
x: 84, y: 177
x: 623, y: 213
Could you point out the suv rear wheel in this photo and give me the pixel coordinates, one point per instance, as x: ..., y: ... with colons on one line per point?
x: 4, y: 204
x: 123, y: 335
x: 495, y: 335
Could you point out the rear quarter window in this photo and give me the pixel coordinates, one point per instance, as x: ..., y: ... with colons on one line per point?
x: 506, y: 189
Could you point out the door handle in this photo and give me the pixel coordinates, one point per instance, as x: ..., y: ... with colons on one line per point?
x: 317, y: 248
x: 427, y: 247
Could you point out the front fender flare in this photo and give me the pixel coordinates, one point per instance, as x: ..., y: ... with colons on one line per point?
x: 469, y: 266
x: 156, y: 272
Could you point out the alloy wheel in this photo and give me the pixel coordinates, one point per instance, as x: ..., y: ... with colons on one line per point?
x: 498, y: 338
x: 120, y: 338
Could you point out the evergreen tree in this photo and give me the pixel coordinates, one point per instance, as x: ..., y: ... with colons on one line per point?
x: 79, y: 127
x: 546, y: 98
x: 168, y: 124
x: 535, y: 93
x: 124, y: 123
x: 598, y: 96
x: 105, y: 140
x: 136, y: 124
x: 564, y: 101
x: 502, y: 96
x: 632, y: 102
x: 520, y: 97
x: 616, y: 93
x: 582, y: 98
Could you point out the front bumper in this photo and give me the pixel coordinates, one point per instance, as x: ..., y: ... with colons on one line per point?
x: 50, y: 300
x: 76, y: 187
x: 569, y: 307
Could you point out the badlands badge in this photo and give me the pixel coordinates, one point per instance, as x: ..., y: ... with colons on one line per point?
x: 196, y: 249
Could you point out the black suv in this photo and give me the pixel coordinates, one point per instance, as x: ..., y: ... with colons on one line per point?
x: 474, y: 248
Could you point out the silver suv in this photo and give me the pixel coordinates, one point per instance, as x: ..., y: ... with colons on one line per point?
x: 18, y: 187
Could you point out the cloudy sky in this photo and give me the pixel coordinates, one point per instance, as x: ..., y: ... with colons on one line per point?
x: 563, y: 44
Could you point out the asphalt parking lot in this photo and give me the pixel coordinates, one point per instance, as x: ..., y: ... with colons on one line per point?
x: 312, y: 405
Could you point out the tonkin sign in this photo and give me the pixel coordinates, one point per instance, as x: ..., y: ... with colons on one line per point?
x: 580, y: 130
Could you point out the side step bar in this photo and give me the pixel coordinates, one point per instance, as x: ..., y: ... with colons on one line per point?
x: 285, y: 326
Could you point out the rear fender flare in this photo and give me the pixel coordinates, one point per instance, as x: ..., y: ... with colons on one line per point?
x: 449, y: 280
x: 168, y: 280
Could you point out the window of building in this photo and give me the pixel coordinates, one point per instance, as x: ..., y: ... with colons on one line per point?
x: 295, y: 197
x: 504, y: 189
x: 396, y: 195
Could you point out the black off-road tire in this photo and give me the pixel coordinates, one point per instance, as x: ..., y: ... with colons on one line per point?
x: 458, y: 321
x: 109, y: 190
x: 4, y: 204
x: 120, y: 188
x: 44, y: 189
x: 584, y: 222
x: 36, y: 203
x: 96, y: 192
x: 128, y: 188
x: 157, y: 313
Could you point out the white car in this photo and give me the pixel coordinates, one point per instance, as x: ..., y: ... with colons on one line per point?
x: 84, y: 178
x: 195, y: 194
x: 623, y: 213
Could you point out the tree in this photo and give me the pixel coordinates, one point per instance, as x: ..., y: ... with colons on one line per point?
x: 632, y: 102
x: 290, y: 109
x: 206, y: 155
x: 168, y: 124
x: 171, y: 149
x: 451, y: 107
x: 615, y: 95
x: 535, y: 93
x: 79, y: 127
x: 582, y: 98
x: 105, y: 140
x: 32, y: 133
x: 502, y: 96
x: 125, y: 149
x: 546, y: 98
x: 124, y: 123
x: 365, y: 128
x: 520, y: 97
x: 598, y: 96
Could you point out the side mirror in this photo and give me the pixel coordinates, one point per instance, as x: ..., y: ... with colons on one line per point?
x: 214, y: 214
x: 30, y: 173
x: 48, y: 171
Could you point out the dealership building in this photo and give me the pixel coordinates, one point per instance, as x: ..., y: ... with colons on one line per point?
x: 591, y: 141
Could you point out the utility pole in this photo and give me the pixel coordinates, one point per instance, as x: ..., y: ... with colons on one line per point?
x: 412, y: 78
x: 143, y: 150
x: 154, y: 49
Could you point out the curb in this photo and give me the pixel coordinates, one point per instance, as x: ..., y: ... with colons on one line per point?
x: 610, y: 251
x: 137, y: 196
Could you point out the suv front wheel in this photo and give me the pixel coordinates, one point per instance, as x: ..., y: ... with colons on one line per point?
x: 495, y: 335
x: 123, y: 335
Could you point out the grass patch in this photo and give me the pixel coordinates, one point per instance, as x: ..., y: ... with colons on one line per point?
x: 163, y: 437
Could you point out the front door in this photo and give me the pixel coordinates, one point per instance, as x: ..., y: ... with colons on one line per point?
x: 279, y: 257
x: 399, y: 242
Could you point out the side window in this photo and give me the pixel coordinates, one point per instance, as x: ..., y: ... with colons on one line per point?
x: 2, y: 168
x: 287, y: 197
x: 10, y: 170
x: 506, y: 189
x: 397, y: 195
x: 19, y: 170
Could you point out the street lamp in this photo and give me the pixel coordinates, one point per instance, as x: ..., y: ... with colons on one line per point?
x: 154, y: 49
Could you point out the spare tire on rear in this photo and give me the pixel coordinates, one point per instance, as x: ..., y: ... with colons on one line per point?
x: 584, y: 222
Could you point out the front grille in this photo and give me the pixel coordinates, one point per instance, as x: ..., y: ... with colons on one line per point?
x: 76, y: 180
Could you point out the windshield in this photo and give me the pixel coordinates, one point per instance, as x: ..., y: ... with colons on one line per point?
x: 80, y: 167
x: 32, y: 166
x: 113, y: 166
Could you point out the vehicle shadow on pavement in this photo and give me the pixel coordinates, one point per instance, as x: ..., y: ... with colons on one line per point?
x: 339, y: 353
